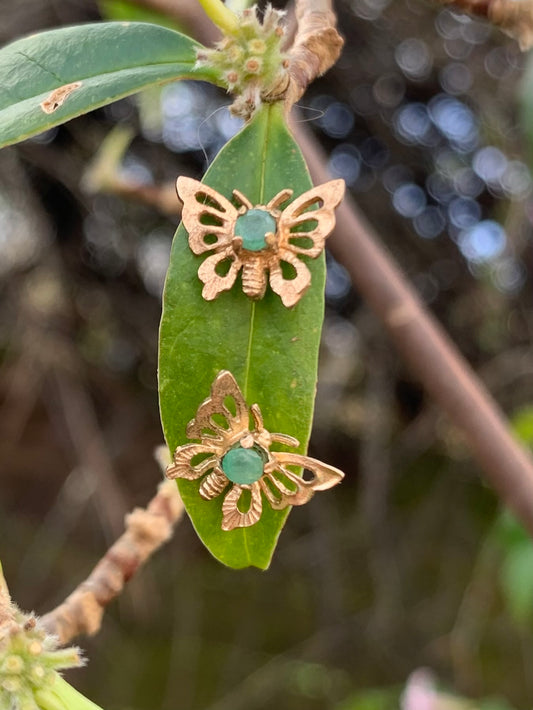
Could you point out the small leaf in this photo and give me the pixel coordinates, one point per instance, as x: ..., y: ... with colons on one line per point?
x: 517, y: 582
x: 526, y: 100
x: 125, y: 10
x: 522, y: 425
x: 51, y: 77
x: 372, y: 699
x: 272, y: 351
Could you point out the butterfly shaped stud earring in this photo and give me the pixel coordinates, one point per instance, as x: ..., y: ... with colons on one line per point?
x: 257, y: 238
x: 234, y: 455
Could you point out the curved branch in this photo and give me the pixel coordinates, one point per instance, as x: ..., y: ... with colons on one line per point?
x: 146, y: 531
x: 433, y: 358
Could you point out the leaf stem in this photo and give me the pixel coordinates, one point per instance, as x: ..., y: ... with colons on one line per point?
x: 238, y: 5
x: 62, y: 696
x: 6, y: 608
x: 222, y: 16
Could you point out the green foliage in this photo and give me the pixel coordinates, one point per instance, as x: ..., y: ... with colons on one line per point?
x: 371, y: 699
x: 110, y: 60
x: 526, y: 95
x: 523, y: 425
x: 122, y: 10
x: 516, y: 573
x: 494, y: 704
x: 272, y: 351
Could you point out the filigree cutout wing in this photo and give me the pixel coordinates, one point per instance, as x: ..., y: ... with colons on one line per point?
x: 282, y: 487
x: 214, y: 418
x: 232, y: 516
x: 185, y: 466
x: 304, y: 230
x: 208, y: 216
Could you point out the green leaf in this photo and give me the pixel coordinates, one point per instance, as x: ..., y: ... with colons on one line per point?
x: 272, y: 351
x: 522, y: 425
x: 110, y: 60
x: 517, y: 582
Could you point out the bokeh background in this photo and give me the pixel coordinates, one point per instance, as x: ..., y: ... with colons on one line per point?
x: 411, y: 564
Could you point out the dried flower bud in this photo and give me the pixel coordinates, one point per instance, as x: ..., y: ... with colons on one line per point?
x: 253, y: 65
x: 257, y: 46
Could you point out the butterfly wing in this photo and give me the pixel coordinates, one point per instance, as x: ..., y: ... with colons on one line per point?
x: 282, y: 487
x: 224, y: 415
x: 184, y: 465
x: 208, y: 216
x: 304, y: 230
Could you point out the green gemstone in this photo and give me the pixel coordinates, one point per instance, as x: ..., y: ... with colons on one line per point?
x: 242, y: 466
x: 252, y: 227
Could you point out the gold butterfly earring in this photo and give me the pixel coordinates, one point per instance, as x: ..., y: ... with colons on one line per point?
x: 257, y: 238
x: 234, y: 454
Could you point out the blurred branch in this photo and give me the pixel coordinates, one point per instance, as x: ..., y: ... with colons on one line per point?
x: 433, y: 358
x: 105, y: 174
x: 515, y: 17
x: 146, y: 531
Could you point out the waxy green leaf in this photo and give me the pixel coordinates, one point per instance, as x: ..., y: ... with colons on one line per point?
x: 272, y: 351
x: 51, y: 77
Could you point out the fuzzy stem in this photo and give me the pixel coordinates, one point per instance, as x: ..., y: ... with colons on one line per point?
x: 146, y: 531
x: 6, y: 608
x: 238, y: 5
x: 221, y: 16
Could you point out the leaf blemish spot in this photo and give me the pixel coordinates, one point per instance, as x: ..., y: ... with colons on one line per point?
x: 58, y: 97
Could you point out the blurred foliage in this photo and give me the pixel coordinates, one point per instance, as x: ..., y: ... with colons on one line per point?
x: 517, y: 564
x: 398, y: 569
x: 122, y: 10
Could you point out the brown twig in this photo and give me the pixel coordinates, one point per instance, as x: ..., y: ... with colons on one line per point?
x: 433, y: 358
x: 515, y: 17
x: 105, y: 174
x: 146, y: 531
x: 316, y: 47
x: 161, y: 197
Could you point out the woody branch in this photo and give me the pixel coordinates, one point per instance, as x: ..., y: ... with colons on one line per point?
x: 146, y: 531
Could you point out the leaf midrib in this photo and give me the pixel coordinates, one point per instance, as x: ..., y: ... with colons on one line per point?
x: 253, y: 310
x: 104, y: 73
